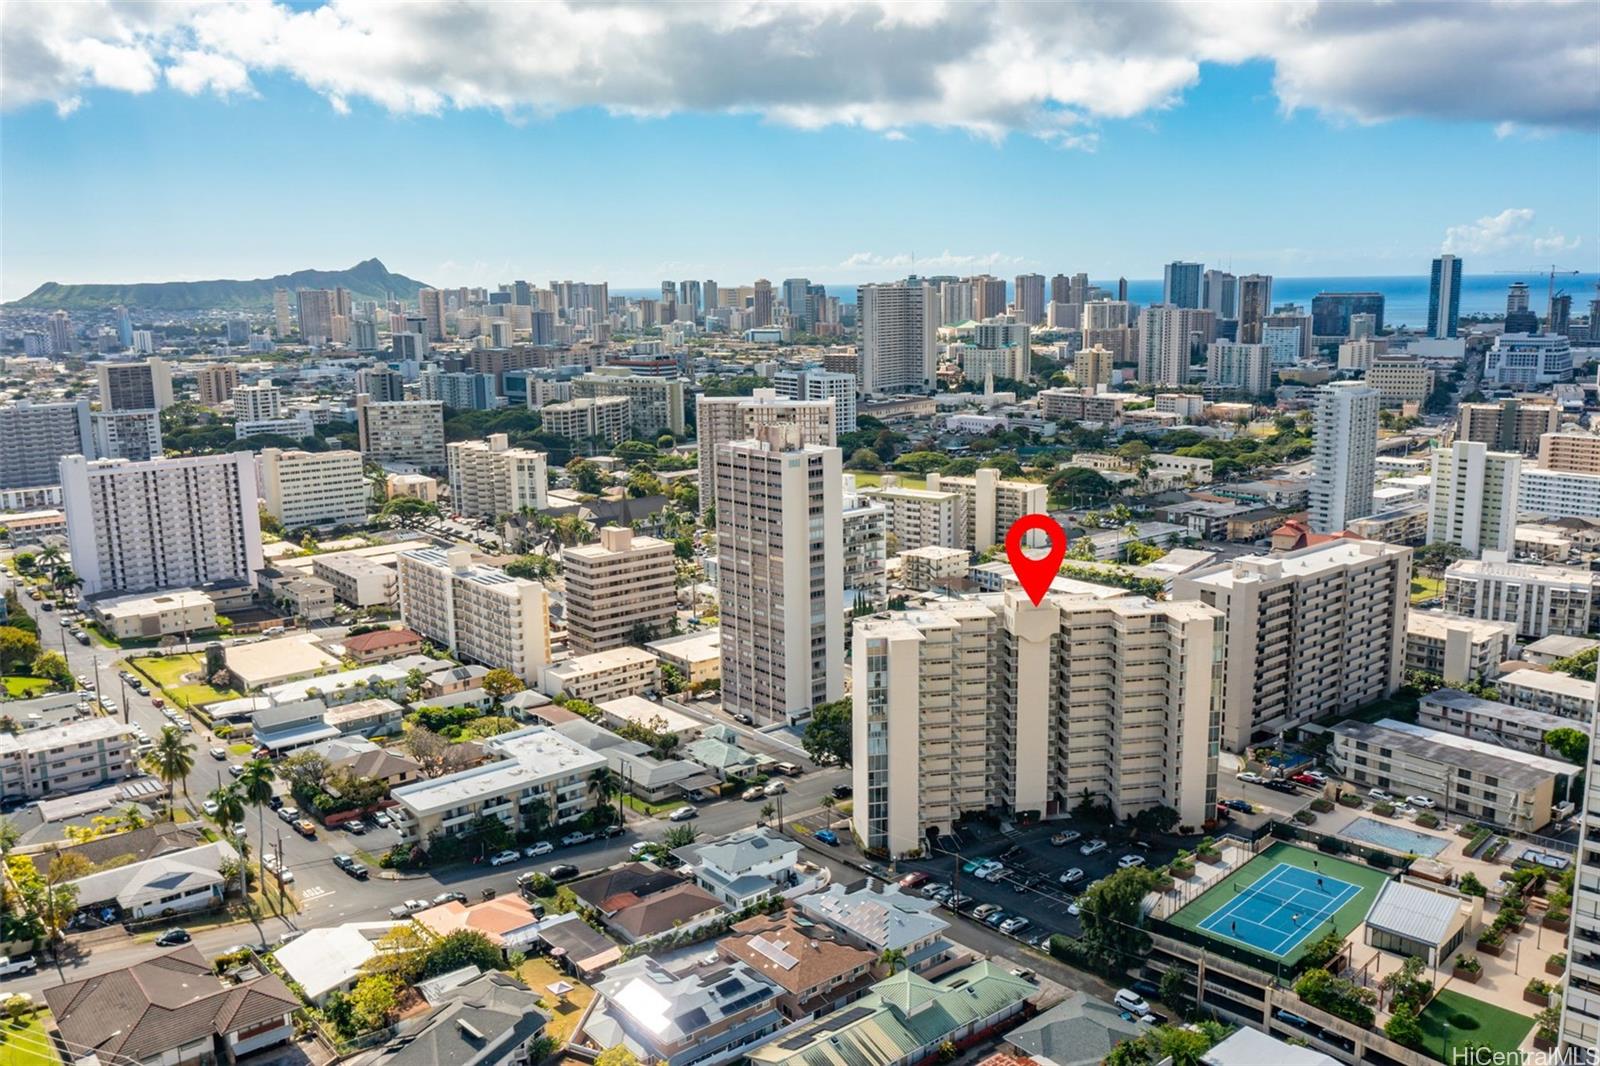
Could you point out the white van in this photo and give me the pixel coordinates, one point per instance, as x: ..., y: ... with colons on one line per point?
x: 1129, y: 1000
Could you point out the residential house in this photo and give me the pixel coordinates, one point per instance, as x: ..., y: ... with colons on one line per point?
x: 638, y: 901
x: 381, y: 645
x: 492, y: 1020
x: 749, y: 866
x: 323, y: 960
x: 704, y: 1013
x: 168, y: 884
x: 881, y: 918
x: 817, y: 971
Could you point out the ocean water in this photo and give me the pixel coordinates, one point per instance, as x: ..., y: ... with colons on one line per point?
x: 1405, y: 296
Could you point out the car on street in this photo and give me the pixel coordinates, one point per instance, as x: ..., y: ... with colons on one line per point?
x: 1093, y: 847
x: 10, y: 966
x: 1379, y: 795
x: 994, y: 920
x: 1307, y: 780
x: 983, y: 910
x: 1129, y: 1000
x: 742, y: 718
x: 235, y: 769
x: 306, y: 828
x: 356, y: 826
x: 381, y: 820
x: 775, y: 788
x: 408, y: 908
x: 1015, y: 924
x: 1074, y: 908
x: 754, y: 792
x: 1071, y: 877
x: 1421, y: 801
x: 562, y: 871
x: 504, y: 857
x: 683, y: 814
x: 1127, y: 862
x: 1278, y: 785
x: 1242, y: 806
x: 1061, y: 840
x: 289, y: 814
x: 172, y: 938
x: 543, y: 847
x: 828, y: 837
x: 572, y: 840
x: 210, y: 807
x: 1249, y: 777
x: 449, y: 897
x: 351, y: 867
x: 937, y: 892
x: 613, y: 831
x: 842, y: 792
x: 955, y: 901
x: 912, y: 880
x: 1316, y: 775
x: 641, y: 847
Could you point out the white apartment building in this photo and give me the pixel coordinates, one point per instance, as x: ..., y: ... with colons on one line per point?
x: 622, y: 586
x: 480, y: 612
x: 1468, y: 778
x: 1573, y: 453
x: 1457, y: 649
x: 87, y: 753
x: 313, y: 488
x: 1552, y: 693
x: 36, y: 436
x: 655, y: 405
x: 992, y: 504
x: 816, y: 385
x: 1400, y: 380
x: 1559, y: 493
x: 918, y: 518
x: 131, y: 435
x: 1164, y: 345
x: 257, y: 403
x: 166, y: 523
x: 1307, y: 633
x: 1540, y: 600
x: 142, y: 616
x: 899, y: 326
x: 605, y: 419
x: 977, y: 704
x: 1580, y: 1018
x: 1344, y: 450
x: 297, y: 426
x: 865, y: 550
x: 928, y: 568
x: 1528, y: 360
x: 404, y: 431
x: 1452, y: 711
x: 1473, y: 499
x: 603, y: 675
x: 489, y: 478
x: 536, y: 777
x: 780, y: 573
x: 357, y: 580
x: 1245, y: 367
x: 720, y: 419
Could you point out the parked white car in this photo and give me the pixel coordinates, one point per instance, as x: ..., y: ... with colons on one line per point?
x: 1421, y: 801
x: 504, y: 857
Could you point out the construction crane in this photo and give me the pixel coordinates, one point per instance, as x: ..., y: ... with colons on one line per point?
x: 1550, y: 292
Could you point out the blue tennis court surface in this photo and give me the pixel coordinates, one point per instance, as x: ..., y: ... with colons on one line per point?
x: 1275, y: 913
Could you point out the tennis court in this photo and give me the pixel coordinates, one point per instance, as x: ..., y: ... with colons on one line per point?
x: 1283, y: 900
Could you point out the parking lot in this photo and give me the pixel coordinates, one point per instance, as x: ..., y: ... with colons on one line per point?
x: 1031, y: 885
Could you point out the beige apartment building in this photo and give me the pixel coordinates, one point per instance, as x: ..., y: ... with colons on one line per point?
x: 602, y: 675
x: 604, y: 419
x: 720, y: 419
x: 920, y: 518
x: 1081, y: 405
x: 1510, y: 425
x: 1541, y: 600
x: 933, y: 567
x: 1455, y: 648
x: 83, y: 754
x: 976, y: 704
x: 1473, y: 497
x: 622, y: 586
x: 217, y: 382
x: 1571, y: 453
x: 313, y: 488
x: 1306, y: 633
x: 357, y: 580
x: 143, y: 616
x: 489, y: 478
x: 480, y: 612
x: 402, y: 431
x: 780, y: 573
x: 1400, y: 380
x: 1091, y: 366
x: 655, y: 405
x: 992, y: 504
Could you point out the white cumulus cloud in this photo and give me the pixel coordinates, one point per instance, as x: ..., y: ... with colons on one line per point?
x: 1512, y: 230
x: 991, y: 67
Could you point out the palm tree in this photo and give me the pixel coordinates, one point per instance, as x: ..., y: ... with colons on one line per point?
x: 255, y: 785
x: 894, y: 959
x: 171, y: 760
x: 600, y: 785
x: 535, y: 813
x: 230, y: 813
x: 767, y: 811
x: 49, y: 557
x: 828, y: 805
x: 133, y: 816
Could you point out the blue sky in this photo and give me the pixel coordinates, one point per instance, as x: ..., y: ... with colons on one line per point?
x: 254, y: 169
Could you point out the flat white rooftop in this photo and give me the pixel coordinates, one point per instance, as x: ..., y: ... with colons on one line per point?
x: 529, y: 757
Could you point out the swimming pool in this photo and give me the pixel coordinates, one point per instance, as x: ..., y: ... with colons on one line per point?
x: 1394, y: 838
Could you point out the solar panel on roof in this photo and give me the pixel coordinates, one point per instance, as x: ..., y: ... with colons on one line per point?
x: 729, y: 987
x: 694, y: 1020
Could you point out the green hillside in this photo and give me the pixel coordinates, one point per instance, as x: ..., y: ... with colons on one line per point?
x: 368, y: 280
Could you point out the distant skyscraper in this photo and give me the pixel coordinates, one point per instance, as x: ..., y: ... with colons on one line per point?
x: 1122, y: 289
x: 431, y: 304
x: 281, y: 322
x: 1560, y: 320
x: 1255, y: 303
x: 1030, y: 298
x: 711, y: 295
x: 59, y: 328
x: 1219, y: 293
x: 988, y: 296
x: 1344, y: 455
x: 796, y: 297
x: 1060, y: 289
x: 316, y: 316
x: 1163, y: 346
x: 124, y: 328
x: 1331, y: 311
x: 1180, y: 284
x: 898, y: 327
x: 689, y: 299
x: 1518, y: 318
x: 1444, y: 297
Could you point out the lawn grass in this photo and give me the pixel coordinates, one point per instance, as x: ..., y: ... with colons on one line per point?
x: 1469, y: 1023
x: 866, y: 480
x: 1345, y: 919
x: 1426, y: 588
x: 240, y: 749
x: 564, y: 1012
x: 634, y: 803
x: 167, y: 672
x: 26, y: 1044
x: 21, y: 688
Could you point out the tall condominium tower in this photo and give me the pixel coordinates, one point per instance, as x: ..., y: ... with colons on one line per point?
x: 1255, y: 304
x: 1163, y: 345
x: 1473, y: 501
x: 164, y: 523
x: 1180, y: 284
x: 899, y: 324
x: 1029, y: 298
x: 1219, y: 293
x: 620, y: 590
x: 1344, y: 455
x: 36, y: 436
x: 1444, y: 297
x: 780, y: 571
x: 489, y: 478
x: 142, y: 386
x: 431, y: 304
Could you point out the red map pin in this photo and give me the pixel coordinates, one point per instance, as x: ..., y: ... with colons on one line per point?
x: 1036, y: 574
